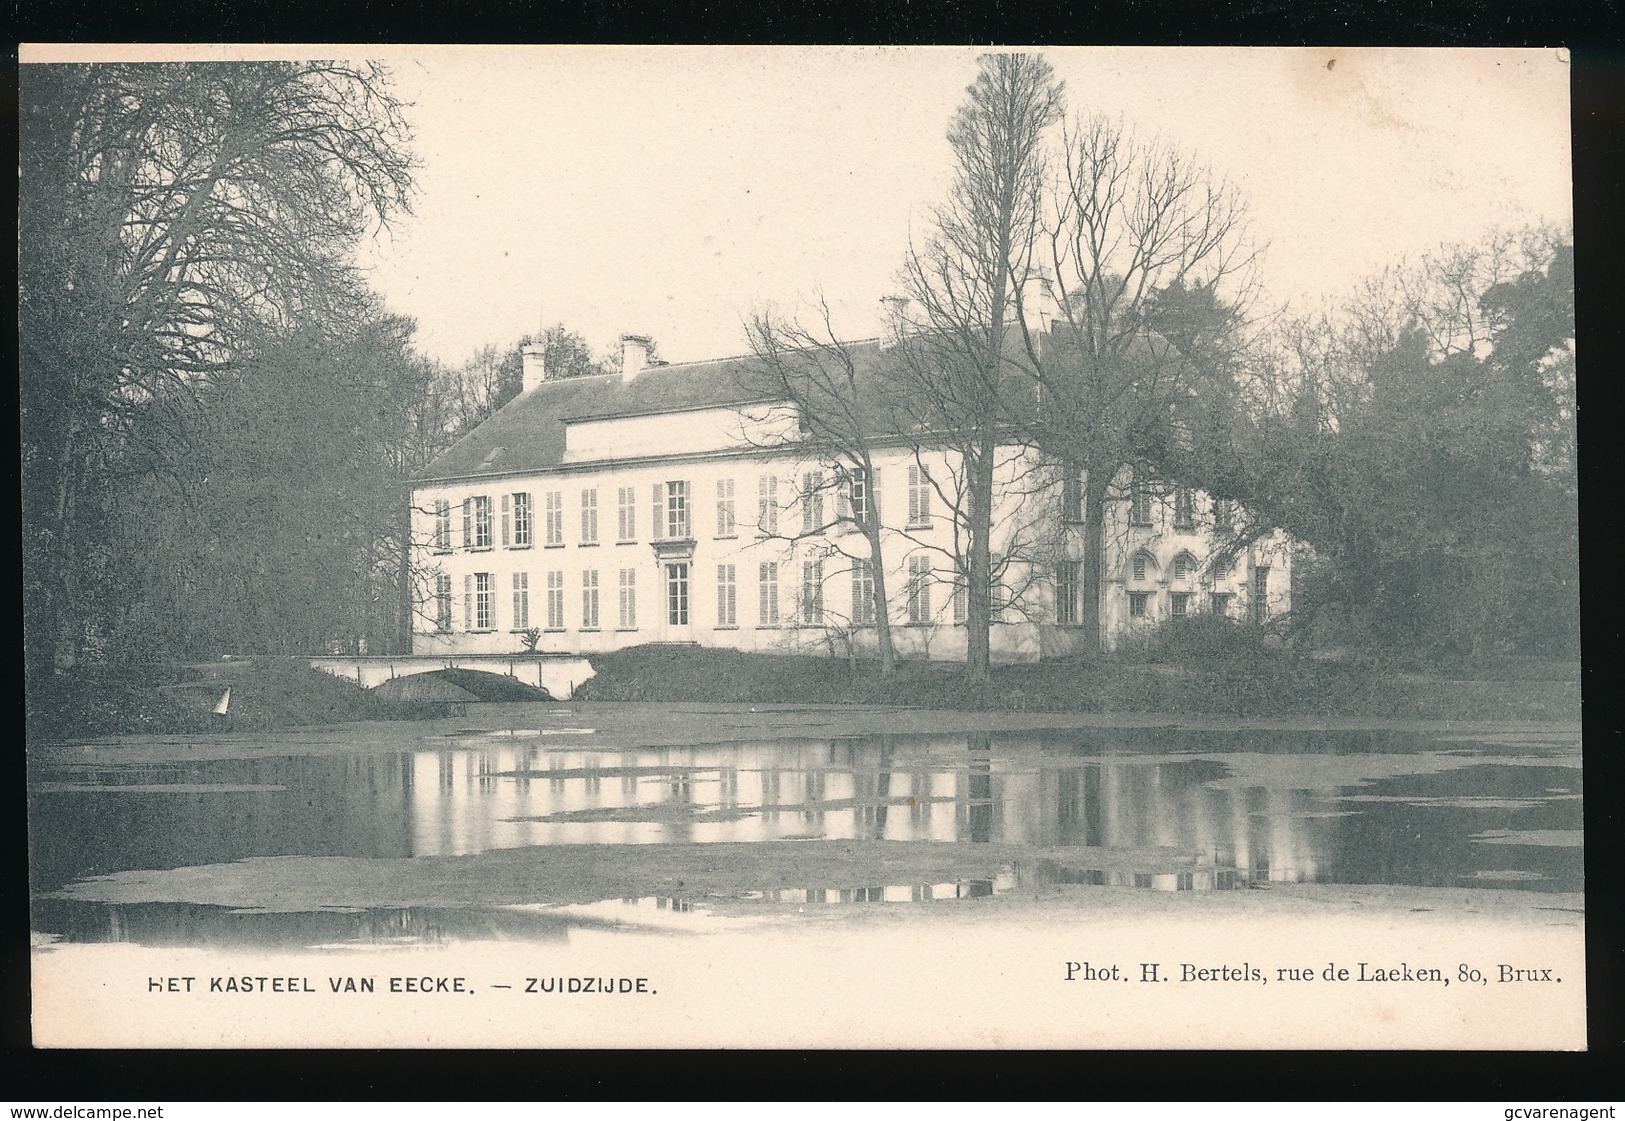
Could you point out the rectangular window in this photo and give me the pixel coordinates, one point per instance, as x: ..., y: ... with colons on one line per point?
x: 677, y: 510
x: 677, y: 594
x: 442, y: 525
x: 1139, y: 503
x: 767, y: 504
x: 629, y: 599
x: 555, y: 601
x: 555, y: 518
x: 1261, y: 593
x: 725, y: 508
x: 727, y: 596
x: 1068, y: 584
x: 589, y: 600
x: 863, y: 593
x: 442, y: 601
x: 1184, y: 516
x: 855, y: 495
x: 1137, y: 604
x: 477, y: 522
x: 521, y: 600
x: 767, y: 594
x: 812, y: 502
x: 484, y: 600
x: 919, y: 589
x: 1221, y: 603
x: 1072, y: 494
x: 1224, y: 513
x: 919, y: 496
x: 521, y: 520
x: 589, y: 516
x: 998, y: 592
x: 626, y: 526
x: 1179, y: 604
x: 812, y: 593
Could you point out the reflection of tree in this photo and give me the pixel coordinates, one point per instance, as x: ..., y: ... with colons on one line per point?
x: 979, y: 789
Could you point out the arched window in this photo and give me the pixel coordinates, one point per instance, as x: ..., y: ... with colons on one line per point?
x: 1184, y: 566
x: 1141, y: 565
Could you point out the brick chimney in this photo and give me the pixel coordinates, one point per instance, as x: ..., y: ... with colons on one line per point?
x: 634, y: 355
x: 893, y: 320
x: 533, y: 357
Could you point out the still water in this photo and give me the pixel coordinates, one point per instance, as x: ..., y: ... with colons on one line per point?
x: 1092, y: 807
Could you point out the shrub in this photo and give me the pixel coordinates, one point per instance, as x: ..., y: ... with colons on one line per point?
x: 1206, y: 640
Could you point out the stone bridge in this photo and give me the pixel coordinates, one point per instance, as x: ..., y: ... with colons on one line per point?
x: 559, y: 674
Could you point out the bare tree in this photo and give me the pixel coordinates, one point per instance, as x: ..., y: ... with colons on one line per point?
x: 171, y: 218
x: 968, y: 282
x: 835, y: 406
x: 1146, y: 265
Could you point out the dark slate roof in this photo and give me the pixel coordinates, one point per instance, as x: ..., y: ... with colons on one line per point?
x: 527, y: 434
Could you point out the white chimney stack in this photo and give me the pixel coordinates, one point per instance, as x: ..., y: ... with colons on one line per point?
x: 533, y: 358
x: 893, y: 320
x: 634, y: 355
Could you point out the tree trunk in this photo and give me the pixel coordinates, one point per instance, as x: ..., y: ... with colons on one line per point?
x: 1094, y: 541
x: 882, y: 608
x: 63, y: 596
x: 978, y: 531
x: 408, y: 599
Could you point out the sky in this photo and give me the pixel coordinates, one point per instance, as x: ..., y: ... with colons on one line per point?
x: 672, y: 191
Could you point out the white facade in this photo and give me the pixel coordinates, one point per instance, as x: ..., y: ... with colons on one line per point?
x: 705, y: 525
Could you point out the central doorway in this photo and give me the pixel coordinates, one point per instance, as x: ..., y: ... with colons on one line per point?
x: 677, y: 600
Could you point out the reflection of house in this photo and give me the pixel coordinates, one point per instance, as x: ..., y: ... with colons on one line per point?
x: 1119, y: 812
x: 671, y: 503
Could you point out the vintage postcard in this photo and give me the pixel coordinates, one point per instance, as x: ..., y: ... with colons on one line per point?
x: 839, y: 547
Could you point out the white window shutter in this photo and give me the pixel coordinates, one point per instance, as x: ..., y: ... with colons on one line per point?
x: 468, y: 602
x: 657, y: 528
x: 506, y: 540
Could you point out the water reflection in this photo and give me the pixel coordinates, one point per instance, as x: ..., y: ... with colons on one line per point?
x: 197, y: 925
x: 941, y: 789
x: 1095, y: 811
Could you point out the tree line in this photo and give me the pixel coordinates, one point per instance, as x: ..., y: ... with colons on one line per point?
x: 1092, y: 296
x: 220, y: 420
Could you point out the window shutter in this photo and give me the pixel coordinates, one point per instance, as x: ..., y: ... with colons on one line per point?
x: 468, y: 602
x: 871, y: 493
x: 468, y: 523
x: 657, y: 528
x: 506, y: 539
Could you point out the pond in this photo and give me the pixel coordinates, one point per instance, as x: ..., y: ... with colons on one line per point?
x: 1149, y: 810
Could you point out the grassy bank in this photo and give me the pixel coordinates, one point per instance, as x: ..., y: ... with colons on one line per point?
x: 266, y: 694
x: 1264, y: 681
x: 1199, y: 670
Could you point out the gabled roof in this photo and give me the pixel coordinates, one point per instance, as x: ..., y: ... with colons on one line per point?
x: 527, y: 434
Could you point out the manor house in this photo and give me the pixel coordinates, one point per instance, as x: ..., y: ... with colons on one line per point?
x: 681, y: 503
